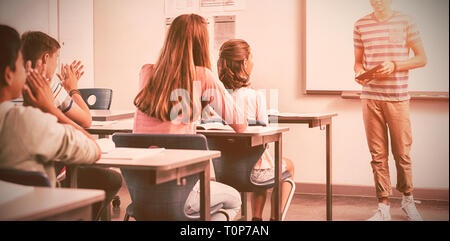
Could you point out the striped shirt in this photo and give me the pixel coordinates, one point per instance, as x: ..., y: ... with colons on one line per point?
x: 61, y: 98
x: 388, y: 40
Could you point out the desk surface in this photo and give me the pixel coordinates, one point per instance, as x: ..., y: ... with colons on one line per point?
x: 302, y: 116
x: 109, y: 115
x: 312, y: 119
x: 44, y: 202
x: 165, y: 160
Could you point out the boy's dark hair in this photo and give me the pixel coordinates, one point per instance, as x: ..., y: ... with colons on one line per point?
x: 9, y: 49
x: 35, y: 43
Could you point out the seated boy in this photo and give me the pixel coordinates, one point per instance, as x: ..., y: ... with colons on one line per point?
x: 35, y: 136
x: 40, y: 46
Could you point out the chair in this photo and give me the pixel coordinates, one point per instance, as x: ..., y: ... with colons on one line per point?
x: 163, y: 201
x: 27, y: 178
x: 235, y: 164
x: 103, y: 98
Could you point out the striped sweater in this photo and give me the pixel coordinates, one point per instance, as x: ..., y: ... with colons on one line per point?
x: 388, y: 40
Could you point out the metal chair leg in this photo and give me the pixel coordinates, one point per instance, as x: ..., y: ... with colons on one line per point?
x: 288, y: 202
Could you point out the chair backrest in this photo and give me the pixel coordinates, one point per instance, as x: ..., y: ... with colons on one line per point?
x: 24, y: 177
x: 163, y: 201
x: 103, y: 98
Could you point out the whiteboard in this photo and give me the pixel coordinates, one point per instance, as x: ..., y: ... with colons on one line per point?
x: 329, y: 43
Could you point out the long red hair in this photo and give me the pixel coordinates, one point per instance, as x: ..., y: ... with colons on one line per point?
x: 186, y: 46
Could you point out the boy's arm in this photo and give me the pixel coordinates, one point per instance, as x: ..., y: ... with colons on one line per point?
x: 419, y: 60
x: 79, y: 112
x: 37, y: 93
x: 358, y: 67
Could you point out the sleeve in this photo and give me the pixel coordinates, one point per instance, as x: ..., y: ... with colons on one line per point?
x: 214, y: 92
x: 357, y: 39
x: 62, y: 99
x: 412, y: 32
x: 47, y: 140
x: 261, y: 107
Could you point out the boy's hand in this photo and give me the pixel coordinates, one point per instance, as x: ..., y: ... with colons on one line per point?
x: 78, y: 69
x: 70, y: 75
x: 37, y: 92
x: 361, y: 82
x: 388, y: 67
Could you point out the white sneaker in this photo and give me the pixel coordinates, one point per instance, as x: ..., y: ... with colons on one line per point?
x: 409, y: 207
x: 383, y: 213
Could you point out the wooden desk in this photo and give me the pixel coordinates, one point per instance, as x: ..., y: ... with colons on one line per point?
x: 110, y: 115
x: 56, y: 204
x: 256, y: 136
x: 314, y: 120
x: 168, y: 165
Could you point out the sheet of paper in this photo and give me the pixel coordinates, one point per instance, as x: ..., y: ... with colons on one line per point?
x: 125, y: 153
x: 10, y: 191
x: 224, y: 30
x: 103, y: 123
x: 213, y: 126
x: 106, y: 144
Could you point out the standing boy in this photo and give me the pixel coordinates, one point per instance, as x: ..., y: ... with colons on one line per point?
x: 385, y: 38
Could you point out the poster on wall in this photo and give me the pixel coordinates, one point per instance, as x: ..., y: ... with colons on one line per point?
x: 221, y: 5
x: 176, y: 7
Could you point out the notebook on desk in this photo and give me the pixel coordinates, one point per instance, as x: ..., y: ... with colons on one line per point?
x: 213, y: 126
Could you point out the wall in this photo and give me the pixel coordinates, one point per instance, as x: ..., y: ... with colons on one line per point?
x: 70, y: 22
x: 128, y: 34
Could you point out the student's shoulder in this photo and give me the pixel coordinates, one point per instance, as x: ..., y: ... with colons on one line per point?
x: 30, y: 114
x: 206, y: 76
x: 145, y: 73
x: 203, y: 72
x: 365, y: 19
x: 147, y: 67
x: 402, y: 17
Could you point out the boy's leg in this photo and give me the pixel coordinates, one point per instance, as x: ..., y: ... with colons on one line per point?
x: 377, y: 140
x: 100, y: 178
x: 397, y: 116
x: 400, y: 131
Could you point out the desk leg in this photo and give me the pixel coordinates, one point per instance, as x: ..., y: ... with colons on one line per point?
x: 277, y: 188
x: 73, y: 176
x: 205, y: 195
x: 329, y: 188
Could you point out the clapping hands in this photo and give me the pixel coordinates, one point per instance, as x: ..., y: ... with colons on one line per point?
x: 36, y: 91
x: 70, y: 75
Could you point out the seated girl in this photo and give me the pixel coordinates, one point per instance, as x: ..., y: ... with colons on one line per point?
x: 171, y: 92
x: 234, y: 67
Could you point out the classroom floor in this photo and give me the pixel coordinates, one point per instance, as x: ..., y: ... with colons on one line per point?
x: 308, y: 207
